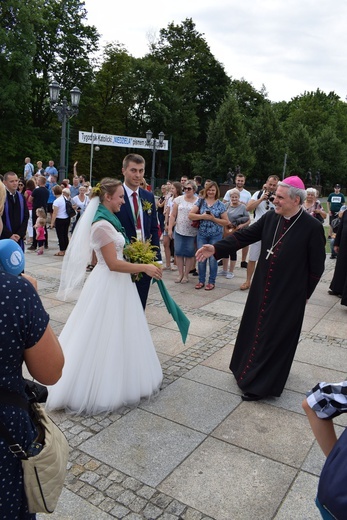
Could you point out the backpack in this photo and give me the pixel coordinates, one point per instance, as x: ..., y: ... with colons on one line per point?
x: 69, y: 209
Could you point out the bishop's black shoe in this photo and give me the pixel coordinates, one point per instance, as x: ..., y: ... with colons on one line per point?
x: 332, y: 293
x: 251, y: 397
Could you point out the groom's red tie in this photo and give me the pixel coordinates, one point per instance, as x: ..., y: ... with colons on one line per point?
x: 136, y: 210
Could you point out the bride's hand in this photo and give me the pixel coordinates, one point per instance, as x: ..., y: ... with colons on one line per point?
x: 153, y: 271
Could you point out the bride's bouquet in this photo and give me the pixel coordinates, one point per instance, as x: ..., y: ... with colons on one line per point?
x: 139, y: 252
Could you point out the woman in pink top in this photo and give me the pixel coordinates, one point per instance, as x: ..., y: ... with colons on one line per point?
x: 29, y: 188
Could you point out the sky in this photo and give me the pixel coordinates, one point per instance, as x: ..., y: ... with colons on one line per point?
x: 288, y: 46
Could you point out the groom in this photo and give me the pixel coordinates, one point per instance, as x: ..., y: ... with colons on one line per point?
x: 138, y: 215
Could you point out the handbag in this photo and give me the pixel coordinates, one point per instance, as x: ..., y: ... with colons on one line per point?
x: 196, y: 223
x: 332, y: 491
x: 69, y: 209
x: 335, y: 224
x: 45, y: 460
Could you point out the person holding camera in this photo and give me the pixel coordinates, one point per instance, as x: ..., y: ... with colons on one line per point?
x: 261, y: 202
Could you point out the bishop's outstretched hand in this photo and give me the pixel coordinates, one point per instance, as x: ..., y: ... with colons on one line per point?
x: 204, y: 252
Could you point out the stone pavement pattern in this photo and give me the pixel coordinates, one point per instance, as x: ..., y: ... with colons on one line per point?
x: 197, y: 452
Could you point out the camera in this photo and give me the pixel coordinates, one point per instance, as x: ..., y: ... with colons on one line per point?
x: 270, y: 195
x: 208, y: 212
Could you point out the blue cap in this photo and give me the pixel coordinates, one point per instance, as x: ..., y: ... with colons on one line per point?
x: 12, y: 259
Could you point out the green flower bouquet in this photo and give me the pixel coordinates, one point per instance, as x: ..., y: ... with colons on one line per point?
x: 138, y: 252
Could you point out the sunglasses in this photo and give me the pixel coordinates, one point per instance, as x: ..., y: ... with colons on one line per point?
x: 187, y: 189
x: 20, y: 184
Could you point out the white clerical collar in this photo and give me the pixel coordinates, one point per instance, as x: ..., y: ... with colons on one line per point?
x: 292, y: 216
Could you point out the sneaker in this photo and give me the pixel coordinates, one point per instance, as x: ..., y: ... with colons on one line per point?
x: 244, y: 264
x: 222, y: 273
x: 32, y: 248
x: 40, y: 252
x: 229, y: 276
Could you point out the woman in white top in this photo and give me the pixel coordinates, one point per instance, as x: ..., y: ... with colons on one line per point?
x: 60, y: 219
x: 80, y: 203
x: 176, y: 191
x: 185, y: 233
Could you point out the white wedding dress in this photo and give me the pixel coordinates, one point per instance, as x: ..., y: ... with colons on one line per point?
x: 110, y: 359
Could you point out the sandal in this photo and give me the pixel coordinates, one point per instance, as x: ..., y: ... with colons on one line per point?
x: 245, y: 286
x: 90, y: 267
x: 60, y: 253
x: 179, y: 279
x: 185, y: 279
x: 199, y: 285
x: 209, y: 287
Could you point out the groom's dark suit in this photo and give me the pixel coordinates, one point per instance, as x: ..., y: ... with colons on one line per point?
x: 150, y: 227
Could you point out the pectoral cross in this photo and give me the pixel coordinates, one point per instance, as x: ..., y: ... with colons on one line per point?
x: 269, y: 252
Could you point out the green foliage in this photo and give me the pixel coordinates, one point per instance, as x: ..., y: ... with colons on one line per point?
x: 228, y: 143
x: 213, y: 122
x: 267, y: 142
x: 332, y: 156
x: 39, y: 41
x: 198, y: 83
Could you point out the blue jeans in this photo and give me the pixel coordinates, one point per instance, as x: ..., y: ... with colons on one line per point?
x: 212, y: 261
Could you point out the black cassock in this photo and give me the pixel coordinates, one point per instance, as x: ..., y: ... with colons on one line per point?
x: 273, y: 315
x: 339, y: 281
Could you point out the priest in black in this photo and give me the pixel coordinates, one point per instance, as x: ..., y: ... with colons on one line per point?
x: 338, y: 284
x: 290, y: 265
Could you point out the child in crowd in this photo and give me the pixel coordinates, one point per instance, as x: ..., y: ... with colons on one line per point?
x: 40, y: 234
x: 41, y: 213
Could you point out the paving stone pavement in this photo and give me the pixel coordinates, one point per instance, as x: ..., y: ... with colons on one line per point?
x: 196, y: 451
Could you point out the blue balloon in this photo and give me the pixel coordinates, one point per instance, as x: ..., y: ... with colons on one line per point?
x: 12, y: 259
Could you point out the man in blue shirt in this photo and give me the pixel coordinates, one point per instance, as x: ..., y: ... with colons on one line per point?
x: 51, y: 170
x: 28, y: 169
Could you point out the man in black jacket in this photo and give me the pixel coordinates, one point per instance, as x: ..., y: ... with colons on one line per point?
x: 16, y: 215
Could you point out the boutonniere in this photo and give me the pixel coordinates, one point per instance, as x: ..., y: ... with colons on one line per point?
x: 146, y: 206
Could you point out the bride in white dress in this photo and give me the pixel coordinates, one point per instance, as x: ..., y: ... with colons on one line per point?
x: 110, y: 359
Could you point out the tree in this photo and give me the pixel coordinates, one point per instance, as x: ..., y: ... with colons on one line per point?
x: 228, y: 143
x: 39, y: 41
x: 267, y: 142
x: 332, y: 157
x: 198, y: 83
x: 302, y: 151
x: 17, y: 48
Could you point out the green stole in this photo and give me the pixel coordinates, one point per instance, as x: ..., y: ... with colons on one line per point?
x: 102, y: 213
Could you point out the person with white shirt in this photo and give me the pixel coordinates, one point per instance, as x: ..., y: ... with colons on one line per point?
x: 245, y: 197
x: 260, y: 203
x: 138, y: 215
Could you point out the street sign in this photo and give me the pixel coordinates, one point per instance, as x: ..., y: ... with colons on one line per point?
x: 119, y: 140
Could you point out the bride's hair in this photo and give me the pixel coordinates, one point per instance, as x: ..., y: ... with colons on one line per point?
x: 106, y: 185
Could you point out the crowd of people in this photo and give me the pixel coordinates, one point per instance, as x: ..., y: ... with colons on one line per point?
x: 37, y: 195
x: 279, y: 230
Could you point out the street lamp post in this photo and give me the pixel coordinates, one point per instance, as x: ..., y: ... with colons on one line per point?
x: 63, y: 111
x: 154, y: 143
